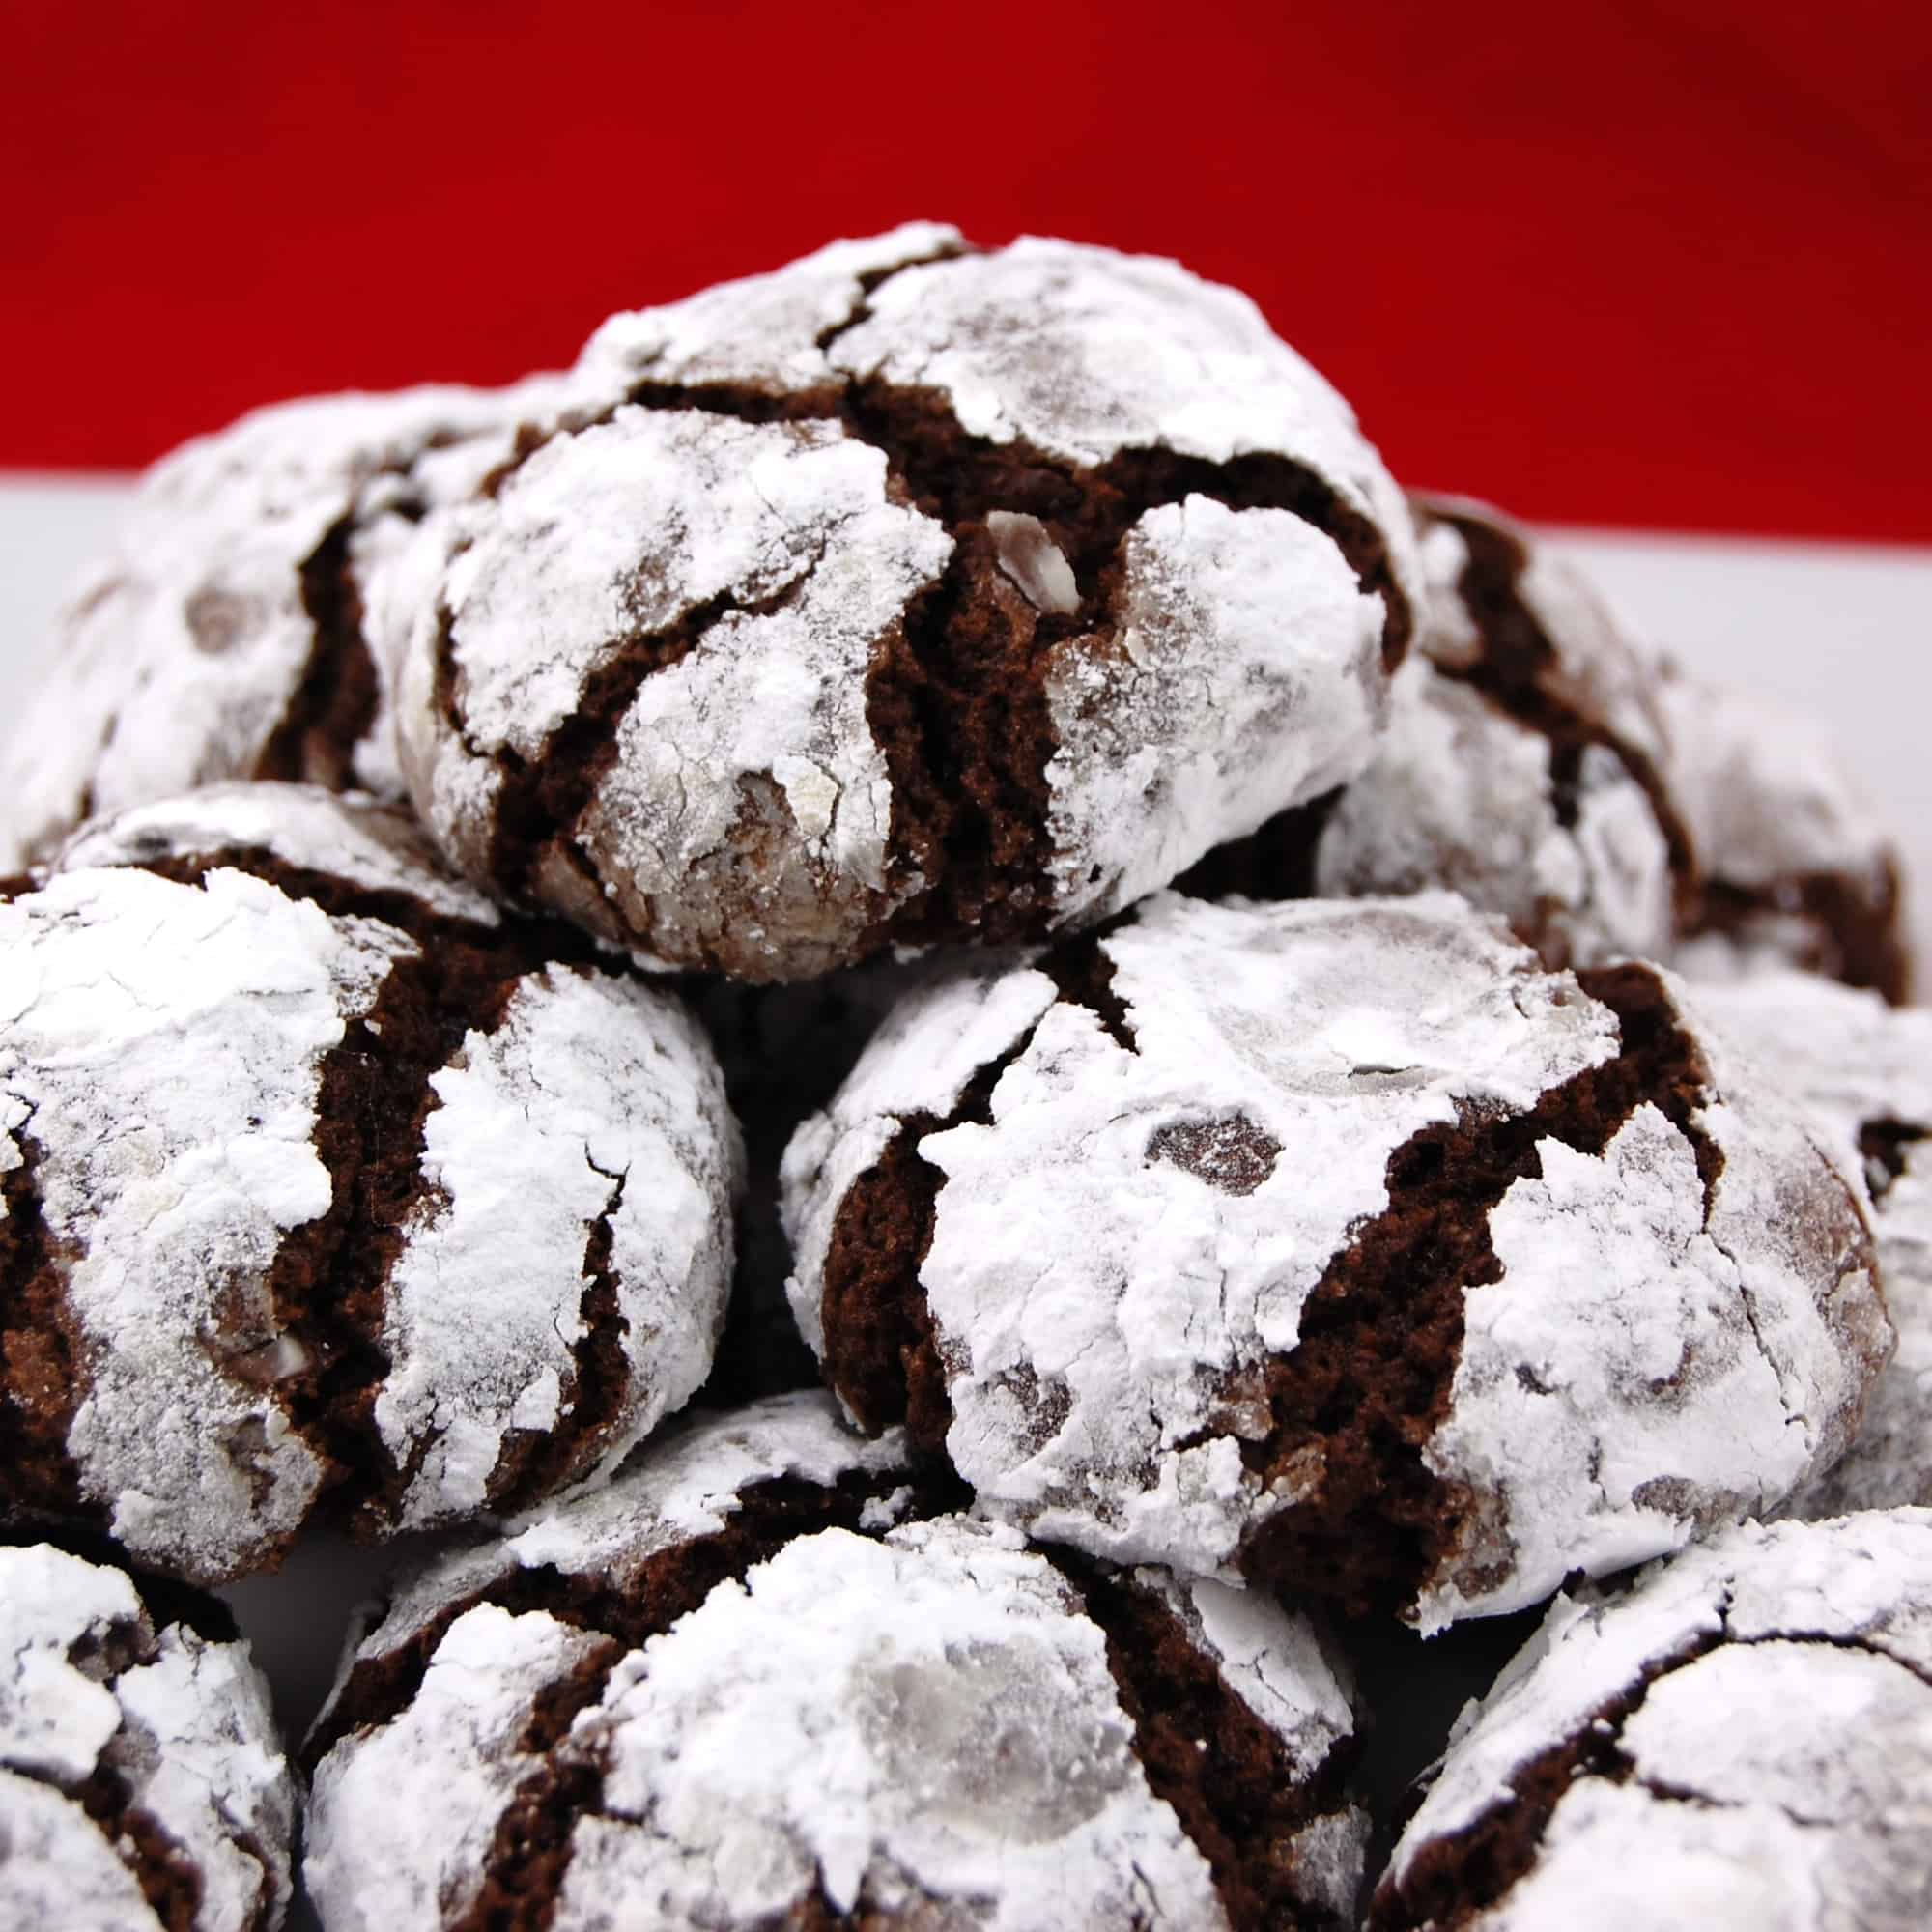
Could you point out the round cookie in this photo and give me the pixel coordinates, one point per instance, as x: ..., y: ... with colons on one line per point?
x: 1743, y: 1739
x: 1339, y: 1245
x: 907, y: 595
x: 225, y: 635
x: 142, y: 1787
x: 756, y: 1684
x: 329, y: 1191
x: 1796, y: 869
x: 1864, y: 1069
x: 1522, y: 765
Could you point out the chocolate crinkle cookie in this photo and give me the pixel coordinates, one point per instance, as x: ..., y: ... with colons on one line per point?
x: 225, y: 638
x: 328, y: 1190
x: 1797, y: 871
x: 142, y: 1787
x: 1339, y: 1245
x: 1744, y: 1739
x: 759, y: 1682
x: 1864, y: 1069
x: 1524, y: 766
x: 909, y: 594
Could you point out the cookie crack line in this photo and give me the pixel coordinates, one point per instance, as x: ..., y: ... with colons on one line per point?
x: 648, y: 1599
x: 1452, y: 1880
x: 167, y: 1875
x: 536, y: 1463
x: 874, y: 279
x: 881, y: 1347
x: 530, y: 1849
x: 326, y: 1285
x: 334, y: 702
x: 1520, y: 672
x: 1370, y: 1377
x: 1883, y: 1144
x: 1226, y: 1776
x: 543, y: 798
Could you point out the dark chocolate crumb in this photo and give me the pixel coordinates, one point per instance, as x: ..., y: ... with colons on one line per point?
x: 1235, y: 1155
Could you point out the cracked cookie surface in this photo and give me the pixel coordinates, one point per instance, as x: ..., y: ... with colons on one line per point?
x: 142, y: 1787
x: 1743, y: 1738
x: 1796, y: 868
x: 766, y: 1680
x: 905, y: 596
x: 1524, y: 765
x: 1864, y: 1071
x: 328, y: 1190
x: 1337, y: 1244
x: 225, y: 635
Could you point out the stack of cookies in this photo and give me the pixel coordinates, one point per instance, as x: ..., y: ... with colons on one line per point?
x: 958, y: 1058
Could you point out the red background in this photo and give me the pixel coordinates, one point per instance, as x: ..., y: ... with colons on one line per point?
x: 1656, y: 264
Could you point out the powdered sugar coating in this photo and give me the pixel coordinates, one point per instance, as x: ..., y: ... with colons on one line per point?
x: 163, y: 1047
x: 1105, y: 1317
x: 1463, y: 797
x: 1251, y: 620
x: 163, y: 1723
x: 620, y: 532
x: 349, y: 838
x: 687, y: 1487
x: 181, y: 654
x: 1774, y: 815
x: 1864, y: 1071
x: 764, y: 330
x: 685, y: 674
x: 1521, y: 767
x: 926, y: 1721
x: 1082, y: 352
x: 1758, y: 1721
x: 590, y: 1106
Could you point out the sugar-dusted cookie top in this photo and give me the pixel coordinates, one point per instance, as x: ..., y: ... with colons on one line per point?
x: 907, y: 595
x: 225, y: 635
x: 1743, y: 1738
x: 327, y: 1190
x: 1339, y: 1244
x: 1524, y: 765
x: 142, y: 1785
x: 1796, y: 868
x: 758, y: 1682
x: 1864, y: 1071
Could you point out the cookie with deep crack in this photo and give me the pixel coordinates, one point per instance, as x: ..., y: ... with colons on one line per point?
x: 1339, y: 1245
x: 765, y: 1680
x: 328, y: 1190
x: 907, y: 595
x: 1796, y: 869
x: 1523, y: 764
x: 142, y: 1785
x: 225, y: 636
x: 1743, y: 1739
x: 1864, y: 1069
